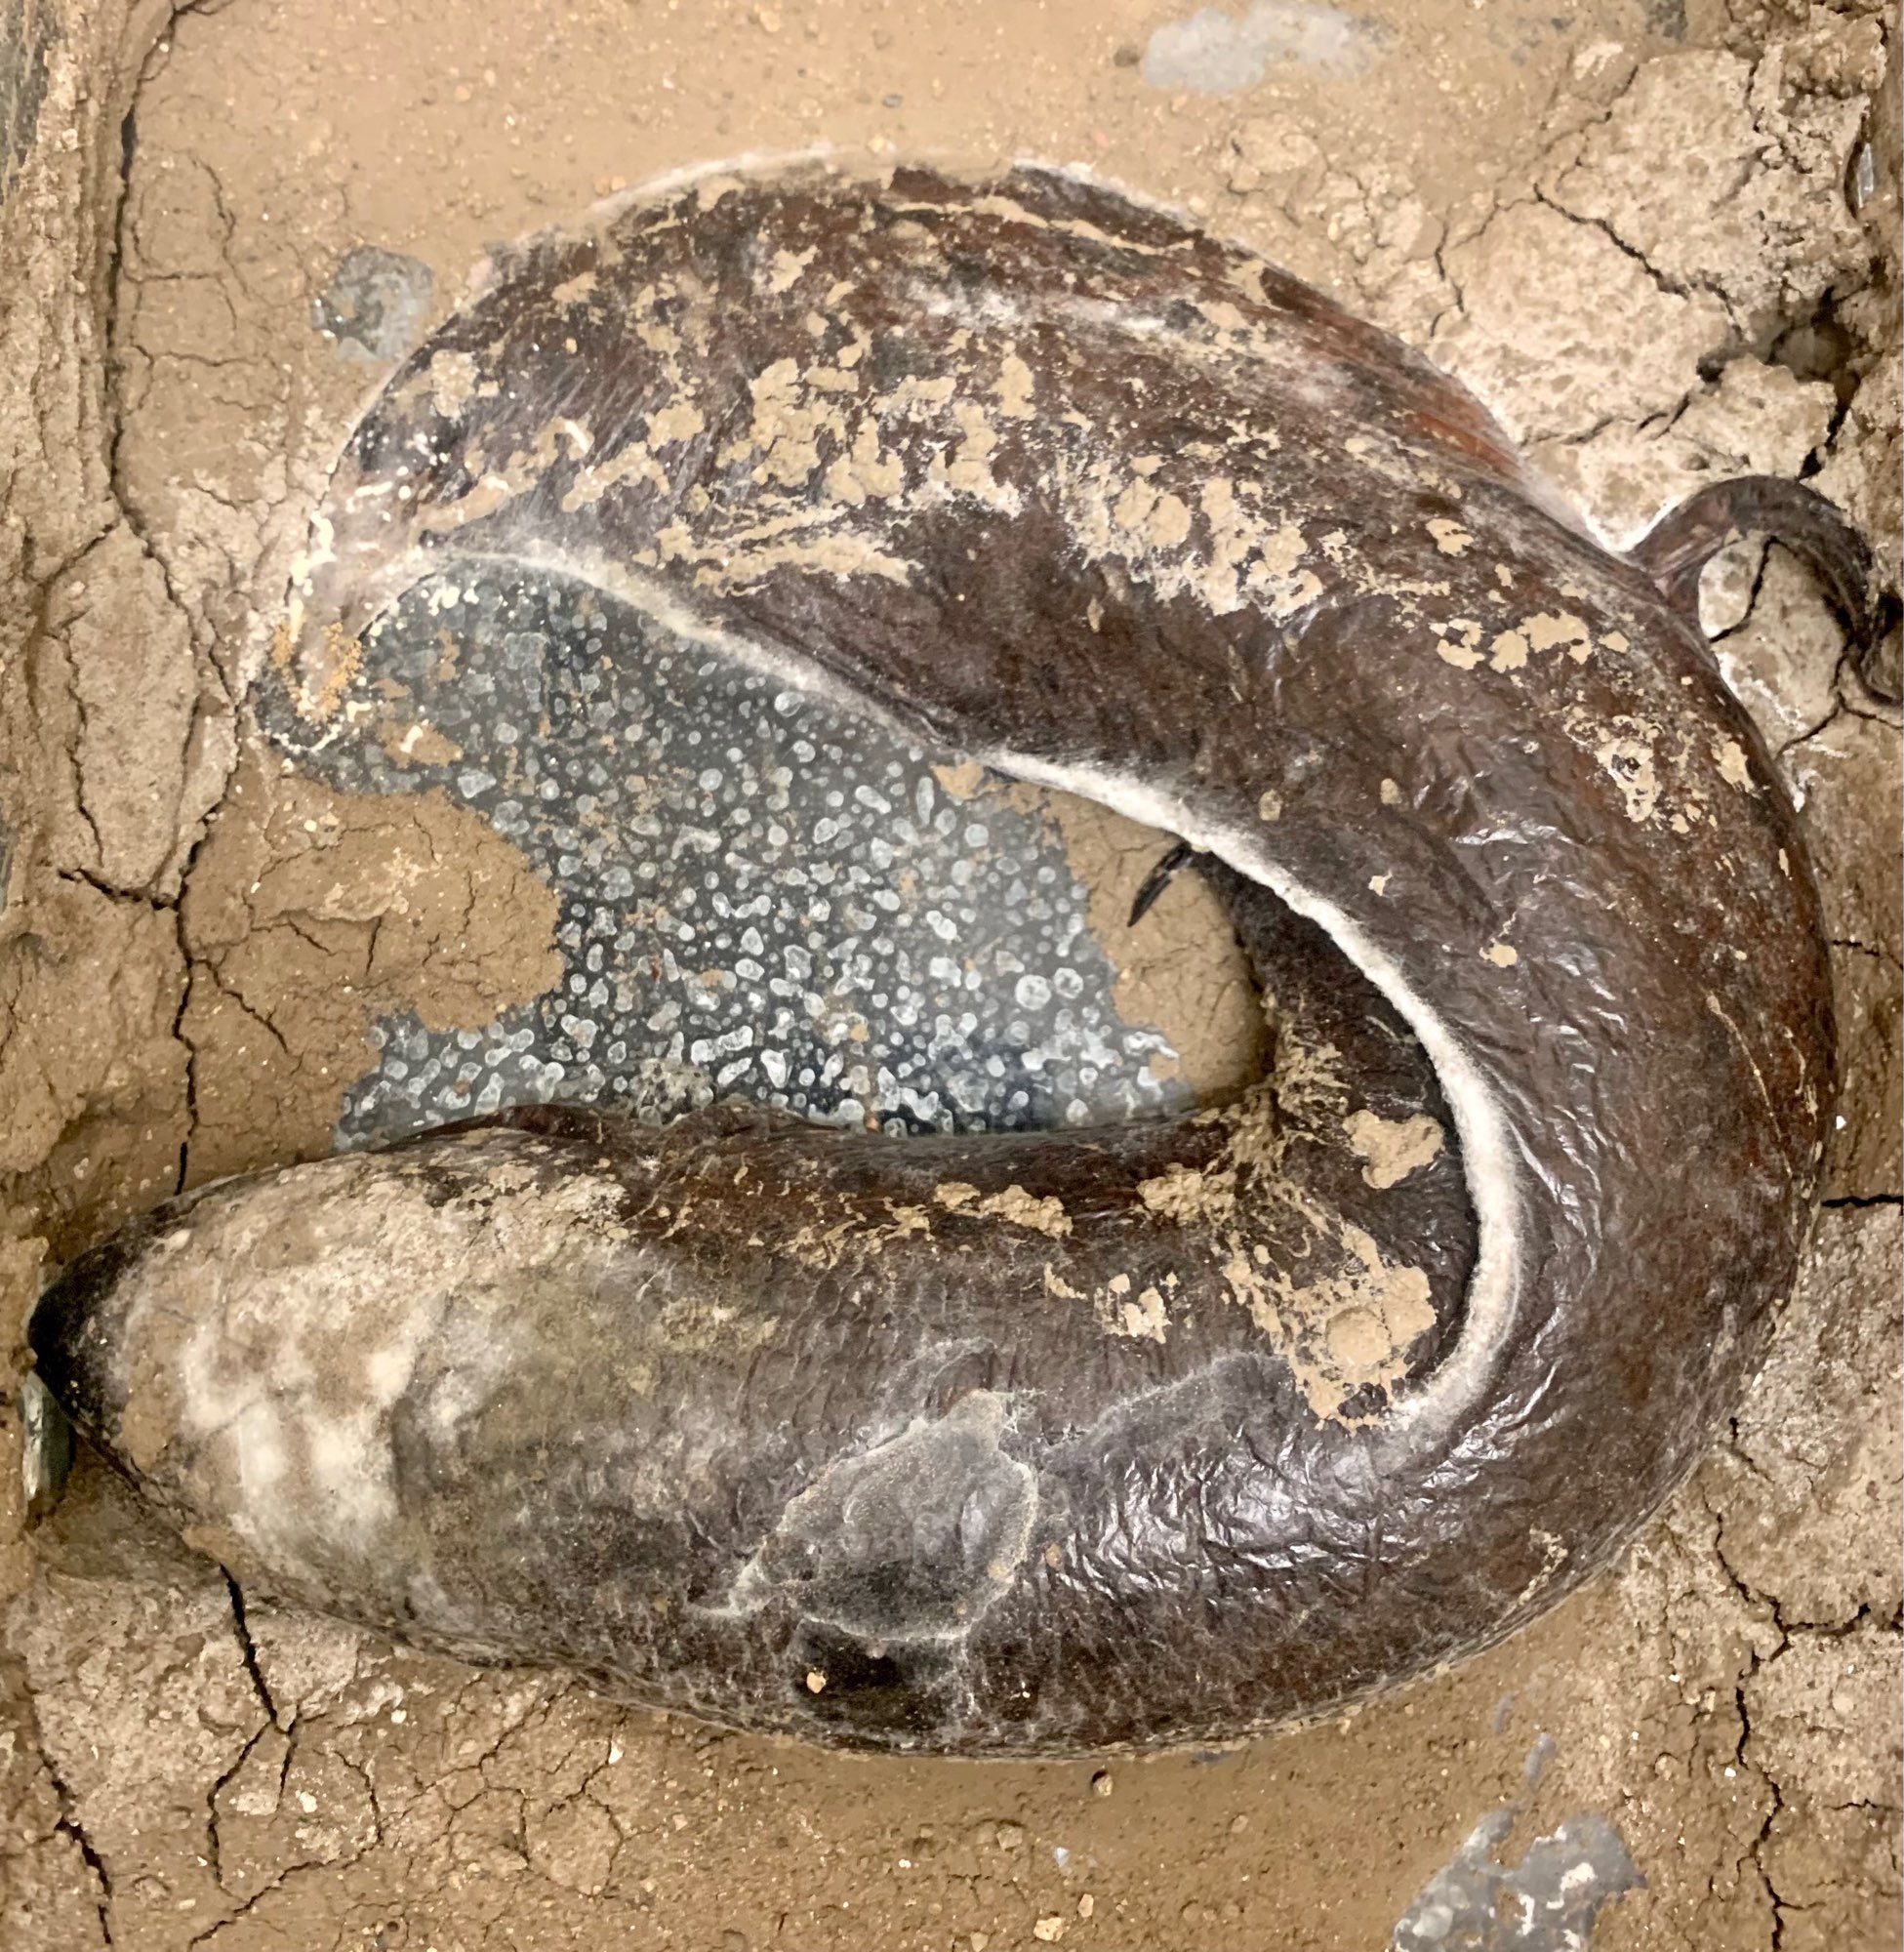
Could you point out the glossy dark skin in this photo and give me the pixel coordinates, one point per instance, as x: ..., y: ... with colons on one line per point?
x: 1045, y: 477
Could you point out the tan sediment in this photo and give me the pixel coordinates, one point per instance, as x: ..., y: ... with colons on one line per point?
x: 1014, y: 1205
x: 1393, y: 1148
x: 1180, y: 969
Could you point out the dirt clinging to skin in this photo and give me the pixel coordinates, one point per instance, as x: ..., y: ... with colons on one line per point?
x: 1658, y: 240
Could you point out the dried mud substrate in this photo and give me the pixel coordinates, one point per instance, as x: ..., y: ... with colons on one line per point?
x: 1655, y: 237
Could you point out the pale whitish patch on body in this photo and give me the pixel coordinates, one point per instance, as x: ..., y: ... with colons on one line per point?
x: 821, y: 553
x: 942, y: 1493
x: 279, y: 1384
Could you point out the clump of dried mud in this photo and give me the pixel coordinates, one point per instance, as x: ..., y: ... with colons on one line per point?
x: 1657, y: 239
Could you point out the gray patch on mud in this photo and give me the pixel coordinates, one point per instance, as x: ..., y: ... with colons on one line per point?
x: 26, y: 36
x: 46, y: 1447
x: 1548, y: 1902
x: 760, y: 897
x: 1211, y: 52
x: 375, y: 305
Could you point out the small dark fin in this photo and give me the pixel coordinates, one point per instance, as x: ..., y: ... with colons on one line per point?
x: 1677, y: 549
x: 1156, y: 881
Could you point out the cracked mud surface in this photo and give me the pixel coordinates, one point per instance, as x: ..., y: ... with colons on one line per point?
x: 1633, y: 229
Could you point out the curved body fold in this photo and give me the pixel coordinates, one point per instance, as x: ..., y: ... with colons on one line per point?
x: 1044, y: 1443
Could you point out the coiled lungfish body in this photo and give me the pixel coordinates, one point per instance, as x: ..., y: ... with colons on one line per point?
x: 1044, y: 1443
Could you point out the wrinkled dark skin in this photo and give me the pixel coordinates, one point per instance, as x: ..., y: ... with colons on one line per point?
x: 793, y: 1439
x: 1678, y: 547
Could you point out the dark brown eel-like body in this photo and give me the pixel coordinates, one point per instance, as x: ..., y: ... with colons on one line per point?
x: 1047, y: 1443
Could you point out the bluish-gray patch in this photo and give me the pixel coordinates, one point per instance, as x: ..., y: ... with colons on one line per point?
x: 26, y: 36
x: 760, y: 898
x: 1547, y: 1902
x: 375, y: 305
x: 1214, y: 52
